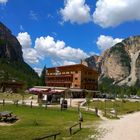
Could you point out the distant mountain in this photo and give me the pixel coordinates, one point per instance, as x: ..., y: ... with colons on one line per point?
x: 12, y: 65
x: 120, y: 65
x: 91, y: 62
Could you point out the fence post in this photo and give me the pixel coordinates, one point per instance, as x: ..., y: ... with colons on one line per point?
x: 54, y: 137
x: 3, y: 102
x: 70, y: 131
x: 80, y: 125
x: 31, y: 104
x: 17, y: 103
x: 78, y: 107
x: 105, y: 107
x: 96, y: 111
x: 116, y: 113
x: 46, y: 105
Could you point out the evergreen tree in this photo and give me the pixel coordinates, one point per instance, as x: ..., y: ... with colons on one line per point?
x: 42, y: 77
x: 6, y: 76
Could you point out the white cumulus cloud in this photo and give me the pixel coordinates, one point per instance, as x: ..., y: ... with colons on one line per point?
x: 68, y: 62
x: 47, y: 46
x: 75, y: 11
x: 33, y: 15
x: 24, y: 39
x: 3, y: 1
x: 38, y: 70
x: 30, y: 55
x: 62, y: 62
x: 109, y: 13
x: 105, y: 42
x: 21, y: 28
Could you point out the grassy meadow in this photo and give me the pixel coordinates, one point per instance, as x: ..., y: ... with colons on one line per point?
x: 37, y: 122
x: 122, y: 107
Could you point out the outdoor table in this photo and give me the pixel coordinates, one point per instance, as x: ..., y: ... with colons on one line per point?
x: 6, y: 114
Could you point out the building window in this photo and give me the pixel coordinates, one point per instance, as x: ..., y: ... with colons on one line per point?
x: 89, y: 73
x: 76, y: 78
x: 76, y: 71
x: 75, y: 85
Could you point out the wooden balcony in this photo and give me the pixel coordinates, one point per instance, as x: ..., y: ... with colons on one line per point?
x: 55, y: 81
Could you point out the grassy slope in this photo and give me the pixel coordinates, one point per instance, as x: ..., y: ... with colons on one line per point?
x: 39, y: 122
x: 122, y: 107
x: 19, y: 71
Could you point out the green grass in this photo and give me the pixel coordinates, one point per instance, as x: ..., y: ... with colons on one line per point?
x: 37, y: 122
x: 15, y: 96
x: 121, y: 107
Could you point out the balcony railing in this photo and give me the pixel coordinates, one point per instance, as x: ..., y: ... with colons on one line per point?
x: 54, y: 81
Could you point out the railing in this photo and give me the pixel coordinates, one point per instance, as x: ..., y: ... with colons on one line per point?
x: 70, y: 129
x: 59, y: 81
x: 48, y: 136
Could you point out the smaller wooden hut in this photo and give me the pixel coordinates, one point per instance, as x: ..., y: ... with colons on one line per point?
x: 11, y: 86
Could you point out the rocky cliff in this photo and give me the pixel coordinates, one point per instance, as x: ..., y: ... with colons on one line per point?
x: 12, y: 65
x: 9, y: 46
x: 91, y: 62
x: 121, y: 63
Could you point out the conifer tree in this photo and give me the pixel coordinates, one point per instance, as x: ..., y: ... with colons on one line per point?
x: 42, y: 77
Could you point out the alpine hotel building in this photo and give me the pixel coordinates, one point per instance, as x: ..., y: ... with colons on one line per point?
x: 76, y: 76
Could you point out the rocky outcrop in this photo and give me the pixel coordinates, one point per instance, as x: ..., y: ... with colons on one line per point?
x: 121, y: 63
x: 137, y: 69
x: 91, y: 62
x: 12, y: 65
x: 10, y: 48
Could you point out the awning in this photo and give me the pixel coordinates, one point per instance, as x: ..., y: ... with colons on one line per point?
x: 38, y: 90
x: 45, y: 91
x: 55, y: 91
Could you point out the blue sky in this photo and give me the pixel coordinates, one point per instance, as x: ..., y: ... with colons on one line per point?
x: 61, y: 32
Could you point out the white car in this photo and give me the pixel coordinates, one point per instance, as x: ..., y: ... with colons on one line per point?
x: 134, y: 97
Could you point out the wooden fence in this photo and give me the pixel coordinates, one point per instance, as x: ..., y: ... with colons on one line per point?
x: 77, y: 124
x: 48, y: 136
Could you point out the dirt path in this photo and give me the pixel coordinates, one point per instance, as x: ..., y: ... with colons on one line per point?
x: 126, y: 128
x: 5, y: 124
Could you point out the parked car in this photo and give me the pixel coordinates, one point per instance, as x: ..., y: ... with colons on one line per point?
x: 126, y: 96
x: 101, y: 95
x: 112, y: 96
x: 134, y: 97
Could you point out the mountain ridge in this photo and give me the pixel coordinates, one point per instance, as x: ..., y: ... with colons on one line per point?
x: 120, y: 64
x: 11, y: 60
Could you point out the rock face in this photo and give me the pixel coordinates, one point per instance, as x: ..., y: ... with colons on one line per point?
x: 91, y: 62
x: 9, y: 46
x: 121, y: 63
x: 12, y: 65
